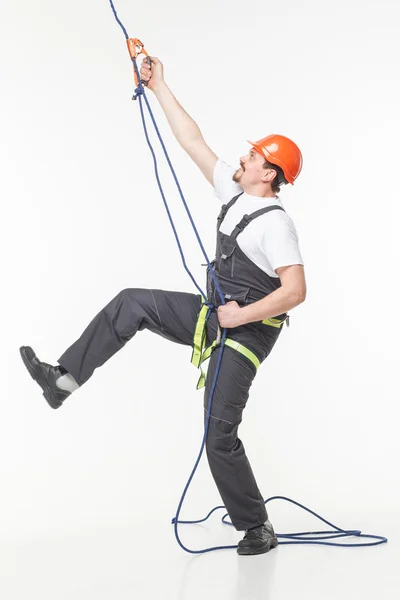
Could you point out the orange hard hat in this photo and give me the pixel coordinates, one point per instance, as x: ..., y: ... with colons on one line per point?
x: 280, y: 150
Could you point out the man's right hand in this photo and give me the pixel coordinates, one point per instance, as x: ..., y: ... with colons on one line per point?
x: 154, y: 75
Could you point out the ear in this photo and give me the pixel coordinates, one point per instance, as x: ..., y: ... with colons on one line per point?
x: 269, y: 176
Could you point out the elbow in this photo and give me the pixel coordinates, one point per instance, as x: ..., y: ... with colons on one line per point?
x: 302, y: 298
x: 303, y: 293
x: 299, y: 296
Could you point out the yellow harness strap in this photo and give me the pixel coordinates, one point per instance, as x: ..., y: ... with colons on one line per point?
x: 200, y: 353
x: 235, y: 346
x: 275, y: 322
x: 199, y: 337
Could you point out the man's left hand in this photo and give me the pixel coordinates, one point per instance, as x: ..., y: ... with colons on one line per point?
x: 230, y: 315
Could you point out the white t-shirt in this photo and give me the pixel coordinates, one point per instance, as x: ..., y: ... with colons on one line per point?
x: 270, y: 241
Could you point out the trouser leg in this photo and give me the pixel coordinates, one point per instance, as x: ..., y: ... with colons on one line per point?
x: 226, y: 454
x: 172, y: 315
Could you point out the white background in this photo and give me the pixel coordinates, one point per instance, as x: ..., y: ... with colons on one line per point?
x: 88, y: 491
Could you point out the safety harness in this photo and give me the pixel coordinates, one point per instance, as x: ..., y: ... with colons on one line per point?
x: 200, y: 353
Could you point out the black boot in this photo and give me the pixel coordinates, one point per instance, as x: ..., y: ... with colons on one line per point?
x: 258, y: 540
x: 46, y: 376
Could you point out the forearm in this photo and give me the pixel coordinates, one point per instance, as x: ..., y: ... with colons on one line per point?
x: 184, y: 128
x: 276, y: 303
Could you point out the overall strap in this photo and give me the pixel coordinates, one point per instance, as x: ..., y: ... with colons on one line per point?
x: 248, y: 218
x: 224, y: 210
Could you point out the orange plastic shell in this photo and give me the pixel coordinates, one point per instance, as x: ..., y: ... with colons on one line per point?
x: 135, y: 47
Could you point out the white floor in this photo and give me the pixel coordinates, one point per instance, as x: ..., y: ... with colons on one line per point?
x: 145, y: 562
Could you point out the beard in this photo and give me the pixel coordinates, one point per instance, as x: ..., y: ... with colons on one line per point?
x: 236, y: 177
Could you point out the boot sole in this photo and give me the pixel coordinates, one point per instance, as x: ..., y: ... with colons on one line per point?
x: 37, y: 376
x: 247, y: 550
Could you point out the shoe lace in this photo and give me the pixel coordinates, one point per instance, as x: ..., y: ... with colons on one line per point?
x: 254, y: 533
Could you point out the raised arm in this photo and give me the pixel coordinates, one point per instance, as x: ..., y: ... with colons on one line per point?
x: 184, y: 128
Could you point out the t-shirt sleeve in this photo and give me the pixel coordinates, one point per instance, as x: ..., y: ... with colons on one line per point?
x: 224, y: 186
x: 281, y: 245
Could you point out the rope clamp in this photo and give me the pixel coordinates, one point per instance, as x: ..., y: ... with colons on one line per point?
x: 135, y: 48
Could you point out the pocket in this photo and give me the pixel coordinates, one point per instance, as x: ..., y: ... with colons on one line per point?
x: 239, y: 295
x: 226, y: 260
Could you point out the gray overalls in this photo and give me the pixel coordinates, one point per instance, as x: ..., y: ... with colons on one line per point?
x: 174, y: 315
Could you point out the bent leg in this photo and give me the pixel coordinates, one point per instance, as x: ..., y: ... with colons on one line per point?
x: 172, y: 315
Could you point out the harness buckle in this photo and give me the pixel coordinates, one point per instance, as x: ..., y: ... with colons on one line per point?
x: 246, y: 219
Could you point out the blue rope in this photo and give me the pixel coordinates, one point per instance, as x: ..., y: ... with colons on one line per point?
x: 296, y: 538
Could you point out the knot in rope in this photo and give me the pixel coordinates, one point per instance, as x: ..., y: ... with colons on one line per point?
x: 138, y: 92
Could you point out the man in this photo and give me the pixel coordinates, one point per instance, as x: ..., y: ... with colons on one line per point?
x: 260, y: 271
